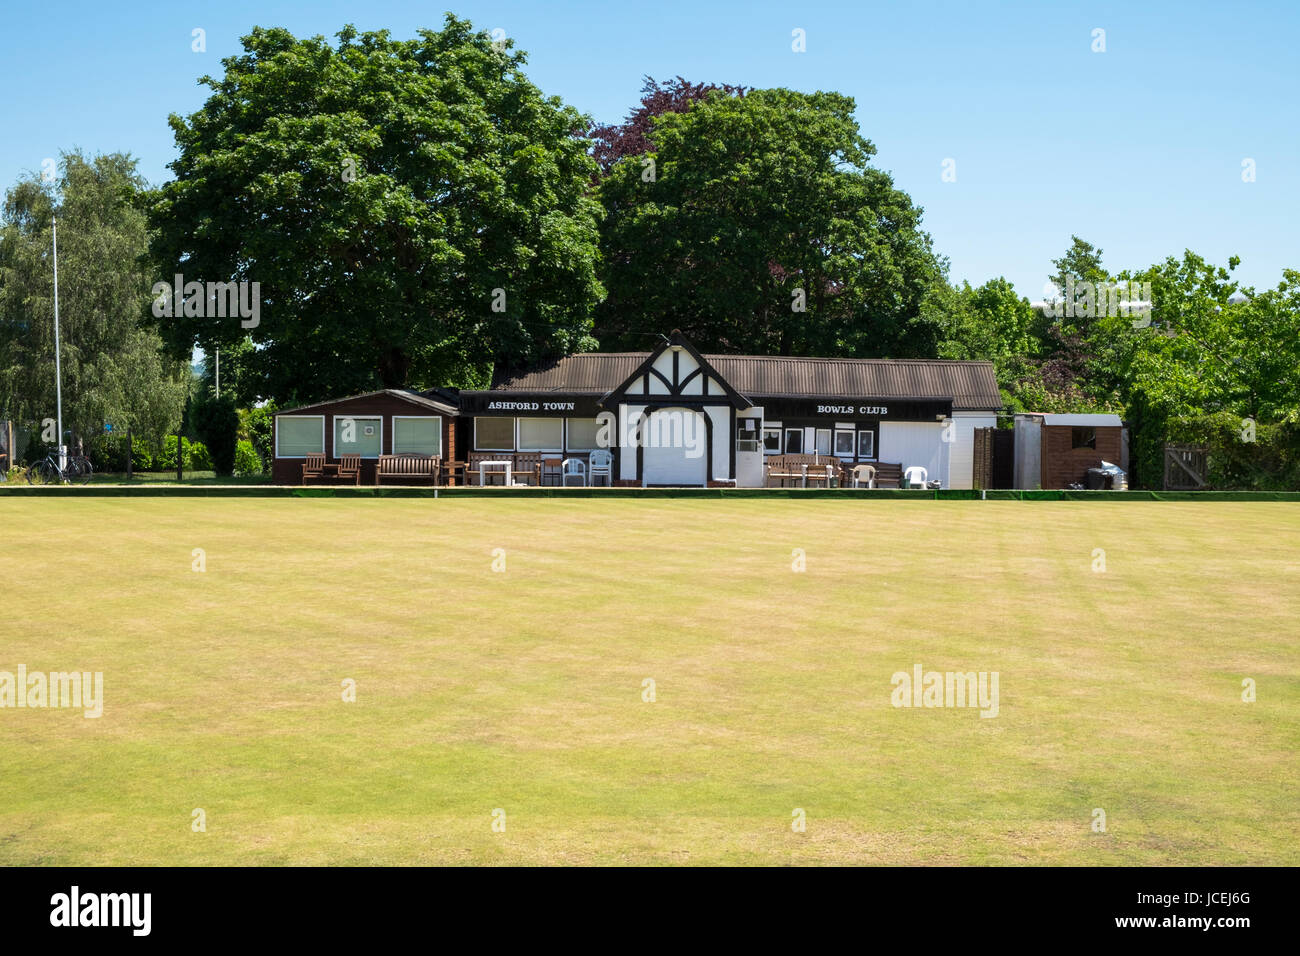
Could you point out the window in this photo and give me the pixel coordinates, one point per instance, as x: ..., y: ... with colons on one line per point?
x: 358, y: 435
x: 844, y: 444
x: 823, y: 441
x: 747, y: 435
x: 866, y: 444
x: 772, y: 441
x: 1083, y: 438
x: 538, y: 434
x: 582, y: 434
x: 417, y: 435
x: 494, y: 434
x: 297, y: 436
x: 794, y: 441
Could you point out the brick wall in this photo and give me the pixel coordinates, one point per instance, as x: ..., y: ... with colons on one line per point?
x: 1063, y: 464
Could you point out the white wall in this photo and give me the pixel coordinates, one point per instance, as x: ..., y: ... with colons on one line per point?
x: 916, y: 443
x: 671, y: 455
x: 961, y: 457
x: 719, y: 467
x: 627, y: 417
x: 722, y: 441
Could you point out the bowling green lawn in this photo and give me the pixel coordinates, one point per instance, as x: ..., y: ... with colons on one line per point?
x: 1121, y: 633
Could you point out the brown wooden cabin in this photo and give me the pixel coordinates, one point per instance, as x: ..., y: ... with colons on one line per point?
x: 387, y: 422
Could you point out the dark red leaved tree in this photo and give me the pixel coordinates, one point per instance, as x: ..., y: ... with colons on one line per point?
x: 612, y: 142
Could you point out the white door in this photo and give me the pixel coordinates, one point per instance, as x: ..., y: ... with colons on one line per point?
x: 676, y: 448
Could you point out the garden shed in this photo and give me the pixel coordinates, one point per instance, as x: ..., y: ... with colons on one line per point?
x: 1056, y: 450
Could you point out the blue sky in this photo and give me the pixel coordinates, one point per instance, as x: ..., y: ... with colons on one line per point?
x: 1138, y: 149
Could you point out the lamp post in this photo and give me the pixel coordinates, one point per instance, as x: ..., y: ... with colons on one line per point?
x: 58, y: 368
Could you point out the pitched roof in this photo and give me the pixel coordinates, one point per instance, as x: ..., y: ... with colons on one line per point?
x: 971, y: 385
x: 595, y: 372
x: 413, y: 397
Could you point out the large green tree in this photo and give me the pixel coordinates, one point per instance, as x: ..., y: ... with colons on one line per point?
x: 413, y: 210
x: 756, y: 225
x: 1215, y: 359
x: 989, y: 322
x: 113, y: 370
x: 1081, y: 262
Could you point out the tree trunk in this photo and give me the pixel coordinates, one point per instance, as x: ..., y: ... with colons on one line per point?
x: 394, y: 369
x: 129, y: 454
x: 180, y: 456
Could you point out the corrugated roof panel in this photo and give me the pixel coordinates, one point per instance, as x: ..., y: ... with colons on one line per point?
x: 583, y: 372
x: 970, y: 385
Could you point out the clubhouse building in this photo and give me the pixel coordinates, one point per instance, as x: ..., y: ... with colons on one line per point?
x: 669, y: 417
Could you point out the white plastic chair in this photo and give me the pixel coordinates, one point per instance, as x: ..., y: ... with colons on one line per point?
x: 910, y: 473
x: 574, y: 468
x: 602, y: 464
x: 864, y: 473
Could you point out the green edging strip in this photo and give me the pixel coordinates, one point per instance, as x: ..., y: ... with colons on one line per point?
x: 1059, y: 495
x: 398, y: 491
x: 395, y: 491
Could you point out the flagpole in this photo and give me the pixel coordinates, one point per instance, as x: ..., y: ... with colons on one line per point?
x: 58, y: 368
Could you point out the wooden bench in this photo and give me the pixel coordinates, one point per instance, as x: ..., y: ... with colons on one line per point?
x: 802, y: 468
x: 473, y: 475
x: 824, y: 468
x: 780, y: 471
x: 888, y: 474
x: 407, y: 466
x: 528, y: 467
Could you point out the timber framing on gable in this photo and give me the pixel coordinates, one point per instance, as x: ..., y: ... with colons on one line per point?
x: 638, y: 387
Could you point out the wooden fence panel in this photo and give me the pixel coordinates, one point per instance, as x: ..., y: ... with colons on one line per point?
x: 982, y: 463
x: 1185, y: 467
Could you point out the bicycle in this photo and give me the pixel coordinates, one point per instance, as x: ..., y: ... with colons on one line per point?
x: 77, y: 468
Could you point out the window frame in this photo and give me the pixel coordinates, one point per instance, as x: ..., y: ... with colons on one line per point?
x: 776, y: 430
x: 786, y: 443
x: 853, y: 443
x: 872, y: 452
x: 571, y: 447
x: 277, y: 436
x: 519, y: 422
x: 1075, y: 444
x: 423, y: 418
x: 514, y: 432
x: 334, y: 437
